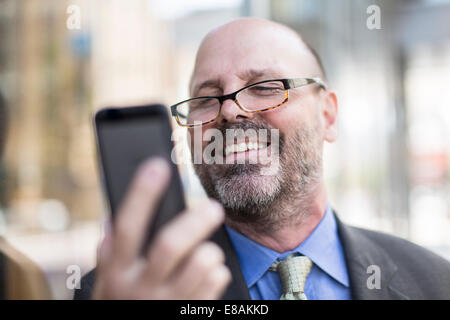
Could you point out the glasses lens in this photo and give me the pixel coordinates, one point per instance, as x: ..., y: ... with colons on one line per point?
x: 198, y: 110
x: 262, y: 96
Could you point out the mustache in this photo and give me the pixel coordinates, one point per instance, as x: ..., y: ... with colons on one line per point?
x: 245, y: 126
x: 243, y: 131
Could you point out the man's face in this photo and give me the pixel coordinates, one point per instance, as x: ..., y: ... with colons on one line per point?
x: 240, y: 54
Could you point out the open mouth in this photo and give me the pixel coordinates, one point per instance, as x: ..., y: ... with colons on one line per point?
x: 243, y: 147
x: 248, y: 150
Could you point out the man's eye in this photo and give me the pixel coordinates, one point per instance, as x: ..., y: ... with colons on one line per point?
x: 266, y: 89
x: 202, y: 103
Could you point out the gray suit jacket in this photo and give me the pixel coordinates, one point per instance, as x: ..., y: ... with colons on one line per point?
x: 407, y: 271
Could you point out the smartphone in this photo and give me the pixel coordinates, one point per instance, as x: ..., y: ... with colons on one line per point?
x: 126, y: 137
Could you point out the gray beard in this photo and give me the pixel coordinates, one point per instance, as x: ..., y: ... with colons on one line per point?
x: 267, y: 203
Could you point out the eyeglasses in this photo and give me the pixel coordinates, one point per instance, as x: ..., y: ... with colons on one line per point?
x: 257, y: 97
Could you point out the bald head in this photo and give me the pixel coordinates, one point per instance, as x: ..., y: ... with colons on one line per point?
x: 258, y: 39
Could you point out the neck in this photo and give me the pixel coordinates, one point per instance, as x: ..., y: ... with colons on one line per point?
x: 307, y: 211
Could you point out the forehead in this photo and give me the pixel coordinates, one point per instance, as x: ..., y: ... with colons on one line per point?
x: 242, y: 53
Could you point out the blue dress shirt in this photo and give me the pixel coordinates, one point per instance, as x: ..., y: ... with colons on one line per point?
x: 328, y: 279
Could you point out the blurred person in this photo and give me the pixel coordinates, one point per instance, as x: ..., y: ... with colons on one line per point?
x: 20, y: 277
x: 280, y: 238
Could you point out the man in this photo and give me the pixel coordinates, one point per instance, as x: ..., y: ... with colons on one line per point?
x: 280, y: 238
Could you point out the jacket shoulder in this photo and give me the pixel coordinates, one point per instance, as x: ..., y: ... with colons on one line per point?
x: 423, y: 272
x: 403, y: 250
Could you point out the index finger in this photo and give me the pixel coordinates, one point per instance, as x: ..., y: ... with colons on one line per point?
x: 138, y: 208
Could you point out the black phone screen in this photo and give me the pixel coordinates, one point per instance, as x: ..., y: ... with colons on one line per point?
x: 127, y: 137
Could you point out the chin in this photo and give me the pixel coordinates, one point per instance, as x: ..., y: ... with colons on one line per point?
x: 247, y: 189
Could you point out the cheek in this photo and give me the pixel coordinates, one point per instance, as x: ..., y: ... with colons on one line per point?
x: 292, y: 116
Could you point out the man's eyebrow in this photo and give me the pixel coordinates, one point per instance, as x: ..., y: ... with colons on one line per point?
x: 254, y: 74
x: 248, y: 75
x: 212, y: 83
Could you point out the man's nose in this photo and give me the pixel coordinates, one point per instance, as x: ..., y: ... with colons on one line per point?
x: 232, y: 113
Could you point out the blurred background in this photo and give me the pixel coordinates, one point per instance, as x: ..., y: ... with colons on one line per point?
x: 389, y: 170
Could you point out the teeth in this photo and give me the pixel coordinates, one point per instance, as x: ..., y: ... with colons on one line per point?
x: 242, y: 147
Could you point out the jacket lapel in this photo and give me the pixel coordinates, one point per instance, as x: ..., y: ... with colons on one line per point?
x: 360, y: 253
x: 237, y: 290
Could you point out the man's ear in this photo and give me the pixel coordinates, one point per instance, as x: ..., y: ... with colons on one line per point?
x: 329, y: 115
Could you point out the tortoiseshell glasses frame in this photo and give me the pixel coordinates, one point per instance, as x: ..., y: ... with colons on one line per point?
x: 287, y: 83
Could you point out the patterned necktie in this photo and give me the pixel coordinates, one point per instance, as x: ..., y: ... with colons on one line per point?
x: 293, y: 273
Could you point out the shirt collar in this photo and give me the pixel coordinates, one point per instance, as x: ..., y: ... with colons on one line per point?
x: 322, y: 246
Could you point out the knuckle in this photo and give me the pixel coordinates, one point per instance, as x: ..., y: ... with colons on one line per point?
x: 218, y: 277
x: 206, y: 256
x: 201, y: 263
x: 212, y: 251
x: 167, y: 244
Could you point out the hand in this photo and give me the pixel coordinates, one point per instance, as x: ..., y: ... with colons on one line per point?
x: 179, y: 264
